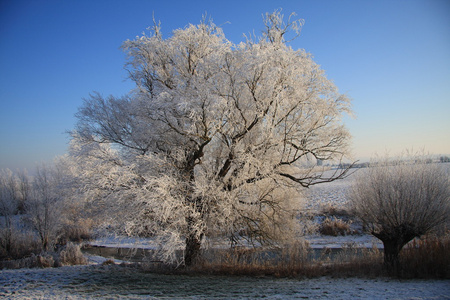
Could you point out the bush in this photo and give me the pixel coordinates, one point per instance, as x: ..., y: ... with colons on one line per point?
x: 108, y: 262
x: 334, y: 227
x: 76, y: 231
x: 22, y: 244
x: 71, y: 255
x: 34, y: 261
x: 333, y: 211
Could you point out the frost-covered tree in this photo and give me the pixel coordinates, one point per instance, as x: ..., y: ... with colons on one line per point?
x: 8, y: 207
x: 45, y: 207
x: 217, y: 139
x: 398, y: 200
x: 23, y: 189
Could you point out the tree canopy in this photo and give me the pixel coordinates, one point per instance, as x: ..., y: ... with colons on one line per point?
x: 215, y: 140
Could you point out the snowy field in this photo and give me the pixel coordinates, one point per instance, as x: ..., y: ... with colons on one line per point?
x: 114, y: 282
x: 331, y: 194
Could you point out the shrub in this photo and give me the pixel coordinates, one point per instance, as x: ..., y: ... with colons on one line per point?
x: 34, y: 261
x: 72, y: 255
x: 76, y: 231
x: 334, y: 227
x: 333, y: 211
x: 44, y: 261
x: 108, y: 262
x: 22, y: 244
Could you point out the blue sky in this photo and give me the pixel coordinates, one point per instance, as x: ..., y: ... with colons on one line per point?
x: 391, y: 57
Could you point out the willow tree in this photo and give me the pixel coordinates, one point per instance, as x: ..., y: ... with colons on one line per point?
x: 401, y: 199
x: 217, y: 139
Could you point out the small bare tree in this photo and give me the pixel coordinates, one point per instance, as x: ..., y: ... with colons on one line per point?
x: 23, y: 189
x: 8, y: 208
x: 44, y: 208
x: 398, y: 200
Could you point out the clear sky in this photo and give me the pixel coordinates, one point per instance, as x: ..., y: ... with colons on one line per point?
x: 391, y: 57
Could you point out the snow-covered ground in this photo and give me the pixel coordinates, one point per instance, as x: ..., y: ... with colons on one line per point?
x: 114, y: 282
x: 331, y: 194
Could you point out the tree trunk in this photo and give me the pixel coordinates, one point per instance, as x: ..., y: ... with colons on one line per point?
x: 192, y: 251
x: 393, y: 242
x: 193, y: 236
x: 193, y: 242
x: 45, y: 243
x: 392, y: 249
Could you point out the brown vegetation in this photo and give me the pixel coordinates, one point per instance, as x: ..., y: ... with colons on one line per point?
x: 22, y: 244
x: 422, y: 258
x: 71, y: 255
x: 291, y: 261
x: 334, y: 227
x: 76, y: 230
x: 26, y: 257
x: 426, y: 258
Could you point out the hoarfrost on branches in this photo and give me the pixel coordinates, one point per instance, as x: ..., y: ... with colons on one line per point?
x: 217, y: 139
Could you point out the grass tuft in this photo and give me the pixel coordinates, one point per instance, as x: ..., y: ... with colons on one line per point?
x: 71, y: 255
x: 334, y: 227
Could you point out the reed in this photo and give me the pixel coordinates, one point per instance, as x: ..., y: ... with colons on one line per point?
x: 428, y: 257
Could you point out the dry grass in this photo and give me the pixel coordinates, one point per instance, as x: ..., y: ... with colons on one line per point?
x: 71, y: 255
x: 423, y: 258
x: 68, y: 255
x: 334, y: 227
x: 34, y: 261
x: 356, y: 261
x: 331, y: 210
x: 286, y: 261
x: 23, y: 244
x: 428, y: 257
x: 76, y: 231
x: 292, y: 261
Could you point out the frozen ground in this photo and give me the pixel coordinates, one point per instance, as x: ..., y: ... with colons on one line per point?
x: 114, y: 282
x: 332, y: 194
